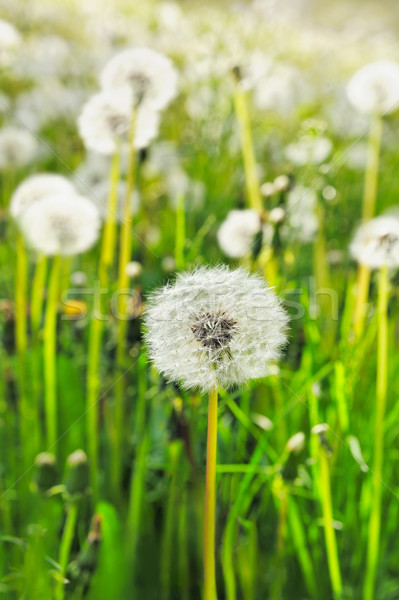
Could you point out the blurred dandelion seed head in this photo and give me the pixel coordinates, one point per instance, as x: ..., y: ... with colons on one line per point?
x: 150, y: 76
x: 236, y: 233
x: 374, y: 89
x: 376, y: 243
x: 63, y: 223
x: 35, y: 188
x: 215, y: 327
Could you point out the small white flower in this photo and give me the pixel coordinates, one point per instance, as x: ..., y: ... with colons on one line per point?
x: 17, y: 147
x: 150, y: 76
x: 301, y: 219
x: 106, y: 120
x: 35, y: 188
x: 63, y: 224
x: 215, y: 327
x: 374, y: 89
x: 309, y: 149
x: 236, y: 233
x: 376, y: 243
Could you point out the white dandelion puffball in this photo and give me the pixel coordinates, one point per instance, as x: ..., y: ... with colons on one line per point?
x: 236, y: 233
x: 215, y: 328
x: 64, y: 224
x: 374, y: 89
x: 376, y: 243
x: 151, y: 76
x: 10, y: 39
x: 309, y: 149
x: 17, y: 147
x: 35, y: 188
x: 106, y: 119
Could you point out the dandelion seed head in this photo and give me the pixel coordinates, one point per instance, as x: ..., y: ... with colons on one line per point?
x: 17, y: 147
x: 236, y: 233
x: 35, y: 188
x: 374, y: 89
x: 62, y: 223
x: 309, y: 149
x: 376, y: 243
x: 215, y: 327
x: 105, y: 121
x: 301, y: 220
x: 150, y: 76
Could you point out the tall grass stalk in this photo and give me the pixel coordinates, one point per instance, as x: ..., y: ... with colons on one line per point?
x: 210, y: 499
x: 247, y: 147
x: 96, y: 324
x: 50, y: 354
x: 368, y: 211
x: 65, y: 546
x: 329, y: 531
x: 373, y: 538
x: 126, y: 239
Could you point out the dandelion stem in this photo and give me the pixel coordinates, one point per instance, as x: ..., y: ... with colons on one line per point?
x: 109, y: 235
x: 373, y: 540
x: 329, y: 531
x: 123, y: 282
x: 180, y: 232
x: 65, y: 547
x: 368, y: 211
x: 210, y: 499
x: 38, y: 285
x: 248, y: 153
x: 21, y: 338
x: 96, y: 325
x: 50, y: 353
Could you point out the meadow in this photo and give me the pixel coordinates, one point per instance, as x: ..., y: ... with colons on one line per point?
x: 199, y: 247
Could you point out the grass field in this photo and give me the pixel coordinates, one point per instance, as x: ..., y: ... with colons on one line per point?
x: 103, y: 458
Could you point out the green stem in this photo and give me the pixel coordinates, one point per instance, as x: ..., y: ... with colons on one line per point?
x: 38, y: 285
x: 329, y: 531
x: 373, y: 540
x: 368, y: 211
x: 96, y: 325
x: 65, y: 547
x: 180, y: 233
x: 123, y: 283
x: 248, y: 152
x: 210, y: 499
x: 109, y: 234
x: 50, y: 353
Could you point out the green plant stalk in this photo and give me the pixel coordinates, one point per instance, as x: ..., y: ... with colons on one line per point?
x: 167, y: 538
x: 299, y: 541
x: 123, y: 283
x: 210, y: 499
x: 180, y: 233
x: 109, y: 234
x: 38, y: 285
x: 65, y: 546
x: 368, y: 211
x: 50, y: 353
x: 278, y: 583
x: 96, y: 327
x: 373, y: 539
x: 136, y: 495
x: 183, y: 559
x: 28, y: 441
x: 248, y: 152
x: 329, y: 531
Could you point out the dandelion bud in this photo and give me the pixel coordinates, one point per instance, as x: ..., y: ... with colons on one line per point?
x: 267, y: 189
x: 46, y: 475
x: 133, y: 269
x: 77, y: 476
x: 321, y: 431
x: 281, y: 183
x: 296, y: 443
x: 277, y: 215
